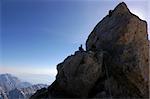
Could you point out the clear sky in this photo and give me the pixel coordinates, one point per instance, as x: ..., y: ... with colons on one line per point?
x: 36, y: 35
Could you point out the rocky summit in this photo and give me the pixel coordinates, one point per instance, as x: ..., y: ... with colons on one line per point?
x: 115, y: 63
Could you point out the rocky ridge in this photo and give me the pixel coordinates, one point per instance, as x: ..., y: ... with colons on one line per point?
x: 114, y: 65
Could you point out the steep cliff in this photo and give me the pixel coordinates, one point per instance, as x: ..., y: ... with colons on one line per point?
x: 114, y: 65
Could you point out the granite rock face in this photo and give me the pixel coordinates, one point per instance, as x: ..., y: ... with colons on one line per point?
x: 124, y: 36
x: 114, y: 65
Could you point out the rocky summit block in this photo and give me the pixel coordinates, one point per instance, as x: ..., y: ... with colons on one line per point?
x: 114, y: 65
x: 125, y: 37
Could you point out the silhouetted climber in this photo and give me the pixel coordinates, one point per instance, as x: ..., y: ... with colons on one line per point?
x: 80, y: 48
x: 110, y: 13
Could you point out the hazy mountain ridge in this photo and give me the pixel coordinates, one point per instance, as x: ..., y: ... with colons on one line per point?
x: 8, y: 82
x: 12, y: 87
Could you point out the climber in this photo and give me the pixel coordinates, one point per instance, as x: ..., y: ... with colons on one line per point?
x: 110, y: 13
x: 80, y: 48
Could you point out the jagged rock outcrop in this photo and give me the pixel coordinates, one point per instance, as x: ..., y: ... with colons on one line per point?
x: 114, y: 65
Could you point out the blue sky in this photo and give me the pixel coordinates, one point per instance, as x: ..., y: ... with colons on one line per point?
x: 36, y: 35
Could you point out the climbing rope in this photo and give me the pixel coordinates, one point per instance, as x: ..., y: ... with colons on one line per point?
x: 107, y: 75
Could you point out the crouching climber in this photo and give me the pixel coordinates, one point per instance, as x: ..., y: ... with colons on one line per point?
x: 110, y: 13
x: 80, y: 48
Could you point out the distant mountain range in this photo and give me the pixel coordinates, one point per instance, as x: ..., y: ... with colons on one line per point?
x: 12, y: 87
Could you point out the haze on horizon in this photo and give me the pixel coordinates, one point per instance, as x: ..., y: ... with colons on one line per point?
x: 36, y: 35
